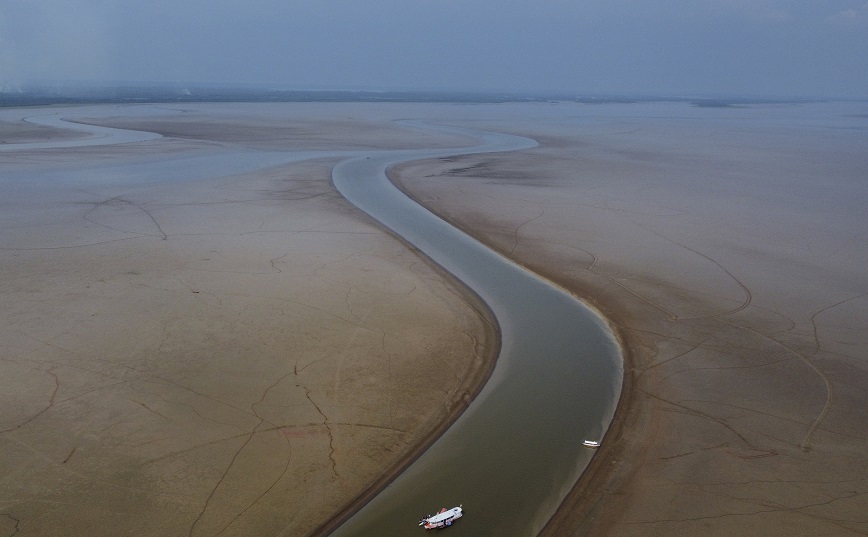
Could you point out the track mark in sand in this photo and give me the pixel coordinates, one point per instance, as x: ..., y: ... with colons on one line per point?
x: 371, y: 426
x: 767, y: 506
x: 724, y: 368
x: 151, y: 410
x: 275, y: 260
x: 748, y: 296
x: 823, y: 310
x: 806, y: 442
x: 71, y: 453
x: 592, y: 267
x: 812, y: 482
x: 190, y: 449
x: 348, y: 304
x: 121, y: 200
x: 828, y: 383
x: 698, y: 413
x: 70, y: 247
x: 688, y: 351
x: 518, y: 229
x: 249, y: 436
x: 677, y: 456
x: 48, y: 407
x: 695, y: 519
x: 17, y: 524
x: 264, y: 492
x: 325, y: 419
x: 154, y: 220
x: 672, y: 316
x: 220, y: 481
x: 325, y: 422
x: 751, y: 411
x: 285, y: 466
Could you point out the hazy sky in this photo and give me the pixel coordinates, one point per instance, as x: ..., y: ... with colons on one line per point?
x: 745, y: 47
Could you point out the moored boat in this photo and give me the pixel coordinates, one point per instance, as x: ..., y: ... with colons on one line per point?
x: 442, y: 519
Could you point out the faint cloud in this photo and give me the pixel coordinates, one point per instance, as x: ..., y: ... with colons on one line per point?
x: 853, y: 17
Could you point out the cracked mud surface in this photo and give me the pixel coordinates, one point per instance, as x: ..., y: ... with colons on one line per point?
x: 232, y: 356
x: 728, y: 249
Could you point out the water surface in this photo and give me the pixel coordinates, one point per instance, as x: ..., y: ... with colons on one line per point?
x: 514, y: 454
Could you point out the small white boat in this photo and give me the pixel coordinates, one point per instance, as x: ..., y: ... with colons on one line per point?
x: 591, y: 443
x: 442, y: 519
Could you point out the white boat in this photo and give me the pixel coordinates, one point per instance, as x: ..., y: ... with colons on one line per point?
x: 442, y: 519
x: 591, y: 443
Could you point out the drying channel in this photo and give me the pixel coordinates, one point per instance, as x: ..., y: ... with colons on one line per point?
x: 513, y: 455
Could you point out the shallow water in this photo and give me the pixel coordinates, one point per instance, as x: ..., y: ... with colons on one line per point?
x: 98, y: 135
x: 513, y: 455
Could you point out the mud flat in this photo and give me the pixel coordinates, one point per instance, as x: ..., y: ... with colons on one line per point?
x: 201, y: 337
x: 727, y: 247
x: 237, y: 350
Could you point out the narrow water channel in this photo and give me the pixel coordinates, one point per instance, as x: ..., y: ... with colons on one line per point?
x: 514, y: 454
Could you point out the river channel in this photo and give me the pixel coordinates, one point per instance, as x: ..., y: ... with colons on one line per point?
x: 517, y: 450
x: 514, y: 454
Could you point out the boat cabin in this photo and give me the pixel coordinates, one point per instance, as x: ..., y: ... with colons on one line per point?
x: 442, y: 519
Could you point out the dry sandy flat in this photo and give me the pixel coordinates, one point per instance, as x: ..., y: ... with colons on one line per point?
x: 20, y: 132
x: 248, y: 353
x: 239, y: 355
x: 728, y: 248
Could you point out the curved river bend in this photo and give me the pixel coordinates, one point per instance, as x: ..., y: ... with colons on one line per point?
x: 516, y: 451
x: 513, y: 455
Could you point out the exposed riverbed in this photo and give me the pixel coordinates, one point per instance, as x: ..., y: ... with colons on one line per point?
x: 516, y: 451
x: 514, y: 454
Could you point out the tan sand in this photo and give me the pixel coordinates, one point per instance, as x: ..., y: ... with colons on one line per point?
x: 728, y: 249
x: 249, y: 354
x: 235, y: 356
x: 23, y: 132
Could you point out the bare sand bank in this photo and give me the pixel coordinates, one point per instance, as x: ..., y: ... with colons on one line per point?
x: 23, y: 132
x: 239, y: 355
x: 245, y: 354
x: 727, y: 247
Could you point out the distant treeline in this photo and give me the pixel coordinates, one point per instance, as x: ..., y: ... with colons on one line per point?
x: 42, y: 96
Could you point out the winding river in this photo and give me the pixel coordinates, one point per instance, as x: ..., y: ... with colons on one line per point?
x: 513, y: 455
x: 517, y: 450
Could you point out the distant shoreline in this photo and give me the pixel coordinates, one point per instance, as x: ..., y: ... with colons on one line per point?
x: 144, y: 93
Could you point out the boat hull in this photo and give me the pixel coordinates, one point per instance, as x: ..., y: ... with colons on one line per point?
x: 443, y: 519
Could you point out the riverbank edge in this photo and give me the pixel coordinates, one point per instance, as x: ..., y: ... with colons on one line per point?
x: 588, y: 506
x: 468, y: 391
